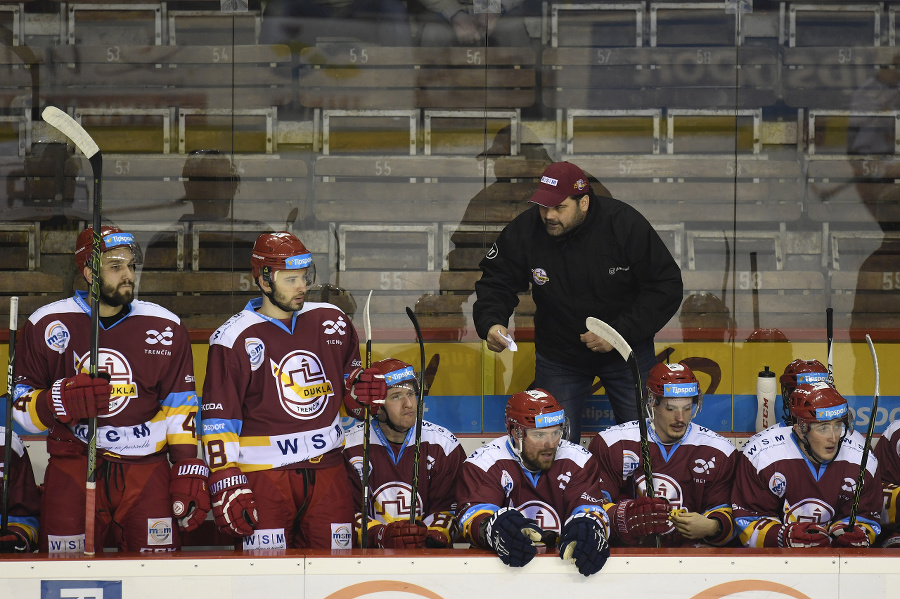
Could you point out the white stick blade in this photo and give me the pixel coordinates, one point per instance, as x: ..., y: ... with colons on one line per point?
x: 606, y: 332
x: 874, y: 361
x: 14, y: 313
x: 71, y: 129
x: 367, y: 322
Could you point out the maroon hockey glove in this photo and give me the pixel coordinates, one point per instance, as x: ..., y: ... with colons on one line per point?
x: 841, y: 536
x: 232, y: 502
x: 511, y: 536
x: 892, y: 542
x: 14, y: 542
x: 803, y: 534
x: 401, y: 534
x: 584, y: 542
x: 639, y: 517
x: 367, y: 389
x: 190, y: 493
x: 78, y: 397
x: 435, y: 539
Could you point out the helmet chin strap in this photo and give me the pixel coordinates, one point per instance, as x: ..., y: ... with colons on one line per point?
x: 808, y: 450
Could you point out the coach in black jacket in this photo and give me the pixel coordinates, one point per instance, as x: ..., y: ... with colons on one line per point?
x: 583, y: 255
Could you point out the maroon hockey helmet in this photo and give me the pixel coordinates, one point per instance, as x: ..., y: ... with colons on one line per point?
x: 671, y: 381
x: 799, y: 372
x: 280, y: 251
x: 534, y: 408
x: 818, y: 402
x: 397, y: 373
x: 110, y: 238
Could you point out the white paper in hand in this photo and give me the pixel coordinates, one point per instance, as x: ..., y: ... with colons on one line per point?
x: 510, y: 344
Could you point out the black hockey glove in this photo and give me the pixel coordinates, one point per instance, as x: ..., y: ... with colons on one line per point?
x: 511, y: 535
x: 584, y: 542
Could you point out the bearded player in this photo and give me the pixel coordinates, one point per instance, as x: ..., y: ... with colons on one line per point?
x: 532, y: 488
x: 693, y: 469
x: 146, y: 407
x: 391, y: 457
x: 795, y: 484
x: 271, y: 423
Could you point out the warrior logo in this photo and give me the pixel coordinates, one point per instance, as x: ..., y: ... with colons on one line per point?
x: 164, y: 338
x: 539, y: 275
x: 302, y: 387
x: 545, y: 516
x: 849, y: 485
x: 57, y: 336
x: 493, y: 252
x: 704, y: 467
x: 392, y: 501
x: 778, y: 484
x: 564, y: 480
x: 332, y: 327
x: 121, y: 377
x: 256, y: 349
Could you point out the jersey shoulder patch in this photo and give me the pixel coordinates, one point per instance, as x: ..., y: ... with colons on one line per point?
x: 142, y: 308
x: 234, y: 327
x: 63, y: 306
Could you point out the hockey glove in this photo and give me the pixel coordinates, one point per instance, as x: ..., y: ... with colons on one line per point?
x: 892, y: 542
x: 401, y: 534
x: 78, y: 397
x: 584, y: 542
x: 367, y: 389
x: 511, y: 536
x: 14, y: 542
x: 639, y: 517
x: 803, y: 534
x: 190, y: 493
x: 841, y: 536
x: 232, y: 502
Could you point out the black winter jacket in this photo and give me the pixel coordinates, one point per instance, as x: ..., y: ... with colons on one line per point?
x: 614, y: 266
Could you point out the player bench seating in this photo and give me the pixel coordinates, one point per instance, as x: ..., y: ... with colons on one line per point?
x: 207, y: 77
x: 867, y: 299
x: 112, y: 22
x: 47, y: 182
x: 204, y: 300
x: 363, y: 77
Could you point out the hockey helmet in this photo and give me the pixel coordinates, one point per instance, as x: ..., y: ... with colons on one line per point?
x: 280, y: 251
x: 110, y: 238
x: 534, y: 408
x: 796, y: 373
x: 818, y: 402
x: 671, y: 381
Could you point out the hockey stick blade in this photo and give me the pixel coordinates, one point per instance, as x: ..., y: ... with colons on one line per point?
x: 607, y: 333
x: 71, y: 129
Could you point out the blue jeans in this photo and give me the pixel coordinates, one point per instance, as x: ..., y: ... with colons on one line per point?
x: 571, y: 386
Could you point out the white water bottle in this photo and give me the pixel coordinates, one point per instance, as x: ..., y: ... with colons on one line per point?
x: 765, y: 399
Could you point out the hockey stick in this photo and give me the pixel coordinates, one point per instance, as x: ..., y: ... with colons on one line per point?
x: 867, y: 447
x: 420, y: 412
x: 367, y: 431
x: 10, y: 384
x: 609, y: 334
x: 829, y: 333
x: 612, y: 336
x: 76, y: 133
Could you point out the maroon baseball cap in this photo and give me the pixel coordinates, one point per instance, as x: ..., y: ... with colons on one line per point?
x: 559, y: 181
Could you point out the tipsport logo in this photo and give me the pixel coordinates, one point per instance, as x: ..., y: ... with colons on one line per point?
x: 398, y: 376
x: 811, y: 377
x: 117, y: 239
x: 831, y: 413
x: 297, y: 262
x: 552, y: 419
x: 680, y: 389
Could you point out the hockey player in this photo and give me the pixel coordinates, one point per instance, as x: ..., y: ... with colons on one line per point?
x: 887, y: 452
x: 24, y: 499
x: 147, y: 410
x: 391, y: 456
x: 794, y: 485
x: 533, y: 487
x: 798, y: 372
x: 271, y: 423
x: 693, y: 469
